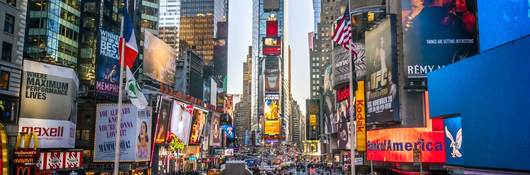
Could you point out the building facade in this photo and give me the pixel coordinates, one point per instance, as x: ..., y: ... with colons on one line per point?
x: 242, y: 121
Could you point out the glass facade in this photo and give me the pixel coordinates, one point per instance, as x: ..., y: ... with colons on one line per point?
x: 53, y: 32
x: 197, y: 27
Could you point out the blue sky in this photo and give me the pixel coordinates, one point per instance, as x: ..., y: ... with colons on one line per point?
x: 300, y: 22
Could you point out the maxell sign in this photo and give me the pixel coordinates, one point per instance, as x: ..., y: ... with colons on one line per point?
x: 50, y: 133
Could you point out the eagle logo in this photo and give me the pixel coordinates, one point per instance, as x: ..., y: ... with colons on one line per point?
x: 455, y: 144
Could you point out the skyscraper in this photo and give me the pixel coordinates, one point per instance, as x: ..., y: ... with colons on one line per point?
x: 242, y: 121
x: 169, y: 22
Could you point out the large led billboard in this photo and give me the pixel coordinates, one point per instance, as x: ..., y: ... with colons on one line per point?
x: 502, y: 21
x: 272, y: 28
x: 341, y: 59
x: 199, y: 120
x: 272, y: 116
x: 272, y: 46
x: 381, y: 87
x: 159, y: 60
x: 180, y: 122
x: 272, y: 75
x: 406, y: 145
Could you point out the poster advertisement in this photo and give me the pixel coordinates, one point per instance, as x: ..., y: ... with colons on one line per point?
x: 360, y: 117
x: 50, y: 133
x: 180, y: 122
x: 400, y: 145
x: 341, y: 66
x: 272, y: 75
x: 328, y: 105
x: 215, y: 132
x: 164, y: 114
x: 437, y: 33
x: 159, y: 60
x: 48, y: 92
x: 381, y: 85
x: 343, y: 140
x: 229, y: 105
x: 359, y: 60
x: 272, y: 116
x: 135, y: 143
x: 107, y: 65
x: 199, y: 120
x: 313, y: 110
x: 272, y: 46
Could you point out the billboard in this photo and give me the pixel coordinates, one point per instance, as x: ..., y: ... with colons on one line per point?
x: 229, y: 105
x: 107, y: 64
x: 272, y: 116
x: 271, y: 5
x: 343, y: 140
x: 159, y: 60
x: 438, y: 33
x: 215, y: 136
x: 453, y: 141
x: 135, y: 143
x: 50, y: 133
x: 360, y: 117
x: 313, y: 111
x: 341, y: 66
x: 272, y: 46
x: 406, y: 145
x: 164, y: 114
x: 272, y: 75
x: 502, y: 21
x: 359, y: 60
x: 199, y: 120
x: 381, y: 87
x: 180, y: 122
x: 328, y: 104
x: 60, y: 160
x: 272, y: 28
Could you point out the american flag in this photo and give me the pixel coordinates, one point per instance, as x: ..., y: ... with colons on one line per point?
x: 342, y: 34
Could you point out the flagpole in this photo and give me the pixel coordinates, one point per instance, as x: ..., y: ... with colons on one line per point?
x: 118, y: 119
x: 352, y: 119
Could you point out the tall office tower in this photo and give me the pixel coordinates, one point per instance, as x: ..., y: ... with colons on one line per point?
x: 148, y: 15
x: 314, y: 67
x: 268, y: 32
x: 52, y: 32
x: 295, y: 123
x: 169, y: 22
x: 316, y: 13
x: 243, y: 121
x: 13, y: 24
x: 221, y: 40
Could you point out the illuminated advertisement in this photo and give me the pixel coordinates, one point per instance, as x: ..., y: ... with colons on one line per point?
x: 215, y: 136
x: 164, y: 114
x: 199, y: 120
x: 328, y: 105
x: 272, y: 28
x: 272, y: 75
x: 60, y: 160
x: 360, y: 117
x: 313, y: 110
x: 437, y: 33
x: 406, y: 145
x: 502, y: 21
x: 272, y: 46
x: 159, y: 60
x: 135, y: 140
x: 107, y: 65
x: 180, y: 122
x: 343, y: 140
x: 381, y: 87
x: 359, y: 60
x: 272, y: 116
x: 271, y: 5
x: 453, y: 141
x: 229, y: 105
x: 341, y: 66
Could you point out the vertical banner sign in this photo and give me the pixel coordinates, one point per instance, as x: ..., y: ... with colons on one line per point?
x: 164, y: 113
x: 135, y: 133
x: 272, y: 116
x: 199, y: 119
x: 107, y: 66
x: 360, y: 116
x: 23, y: 160
x: 215, y: 137
x: 180, y: 122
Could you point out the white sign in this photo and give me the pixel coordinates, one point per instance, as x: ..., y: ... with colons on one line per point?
x: 50, y: 133
x: 181, y: 122
x: 135, y: 144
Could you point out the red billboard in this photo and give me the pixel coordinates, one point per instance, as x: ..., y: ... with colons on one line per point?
x: 272, y: 46
x: 406, y: 145
x: 272, y: 28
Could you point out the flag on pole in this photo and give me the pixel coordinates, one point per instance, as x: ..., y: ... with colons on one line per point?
x: 343, y: 34
x: 127, y: 39
x: 134, y: 91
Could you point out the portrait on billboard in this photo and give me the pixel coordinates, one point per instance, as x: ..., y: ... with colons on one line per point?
x: 199, y: 119
x: 437, y: 33
x: 107, y: 66
x: 180, y: 122
x: 164, y: 113
x: 272, y: 75
x: 159, y: 60
x: 381, y: 83
x: 143, y: 145
x: 343, y: 140
x: 215, y: 130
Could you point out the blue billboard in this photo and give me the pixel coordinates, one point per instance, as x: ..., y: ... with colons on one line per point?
x: 454, y: 150
x: 107, y: 66
x: 502, y: 21
x: 490, y: 94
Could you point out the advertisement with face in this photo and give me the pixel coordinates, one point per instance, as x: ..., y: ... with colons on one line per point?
x: 343, y: 140
x: 180, y: 122
x: 159, y: 60
x: 272, y: 116
x: 199, y: 119
x: 135, y: 144
x: 341, y: 66
x: 107, y: 66
x: 272, y: 75
x: 164, y: 113
x: 437, y: 33
x: 329, y: 102
x: 215, y: 136
x: 381, y: 86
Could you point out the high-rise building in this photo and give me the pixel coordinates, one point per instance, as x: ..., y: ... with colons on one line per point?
x: 243, y: 122
x: 316, y: 13
x: 295, y: 123
x: 314, y: 67
x: 169, y: 22
x: 13, y: 24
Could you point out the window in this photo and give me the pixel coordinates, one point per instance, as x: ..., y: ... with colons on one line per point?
x: 6, y: 51
x: 4, y: 80
x: 9, y: 23
x: 12, y: 2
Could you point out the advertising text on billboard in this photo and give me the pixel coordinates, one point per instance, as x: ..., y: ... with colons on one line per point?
x: 360, y: 117
x: 107, y: 66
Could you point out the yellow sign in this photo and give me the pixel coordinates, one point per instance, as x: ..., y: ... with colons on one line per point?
x: 272, y: 117
x: 313, y: 120
x: 360, y: 115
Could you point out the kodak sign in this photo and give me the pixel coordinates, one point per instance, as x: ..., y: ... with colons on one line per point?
x: 360, y: 116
